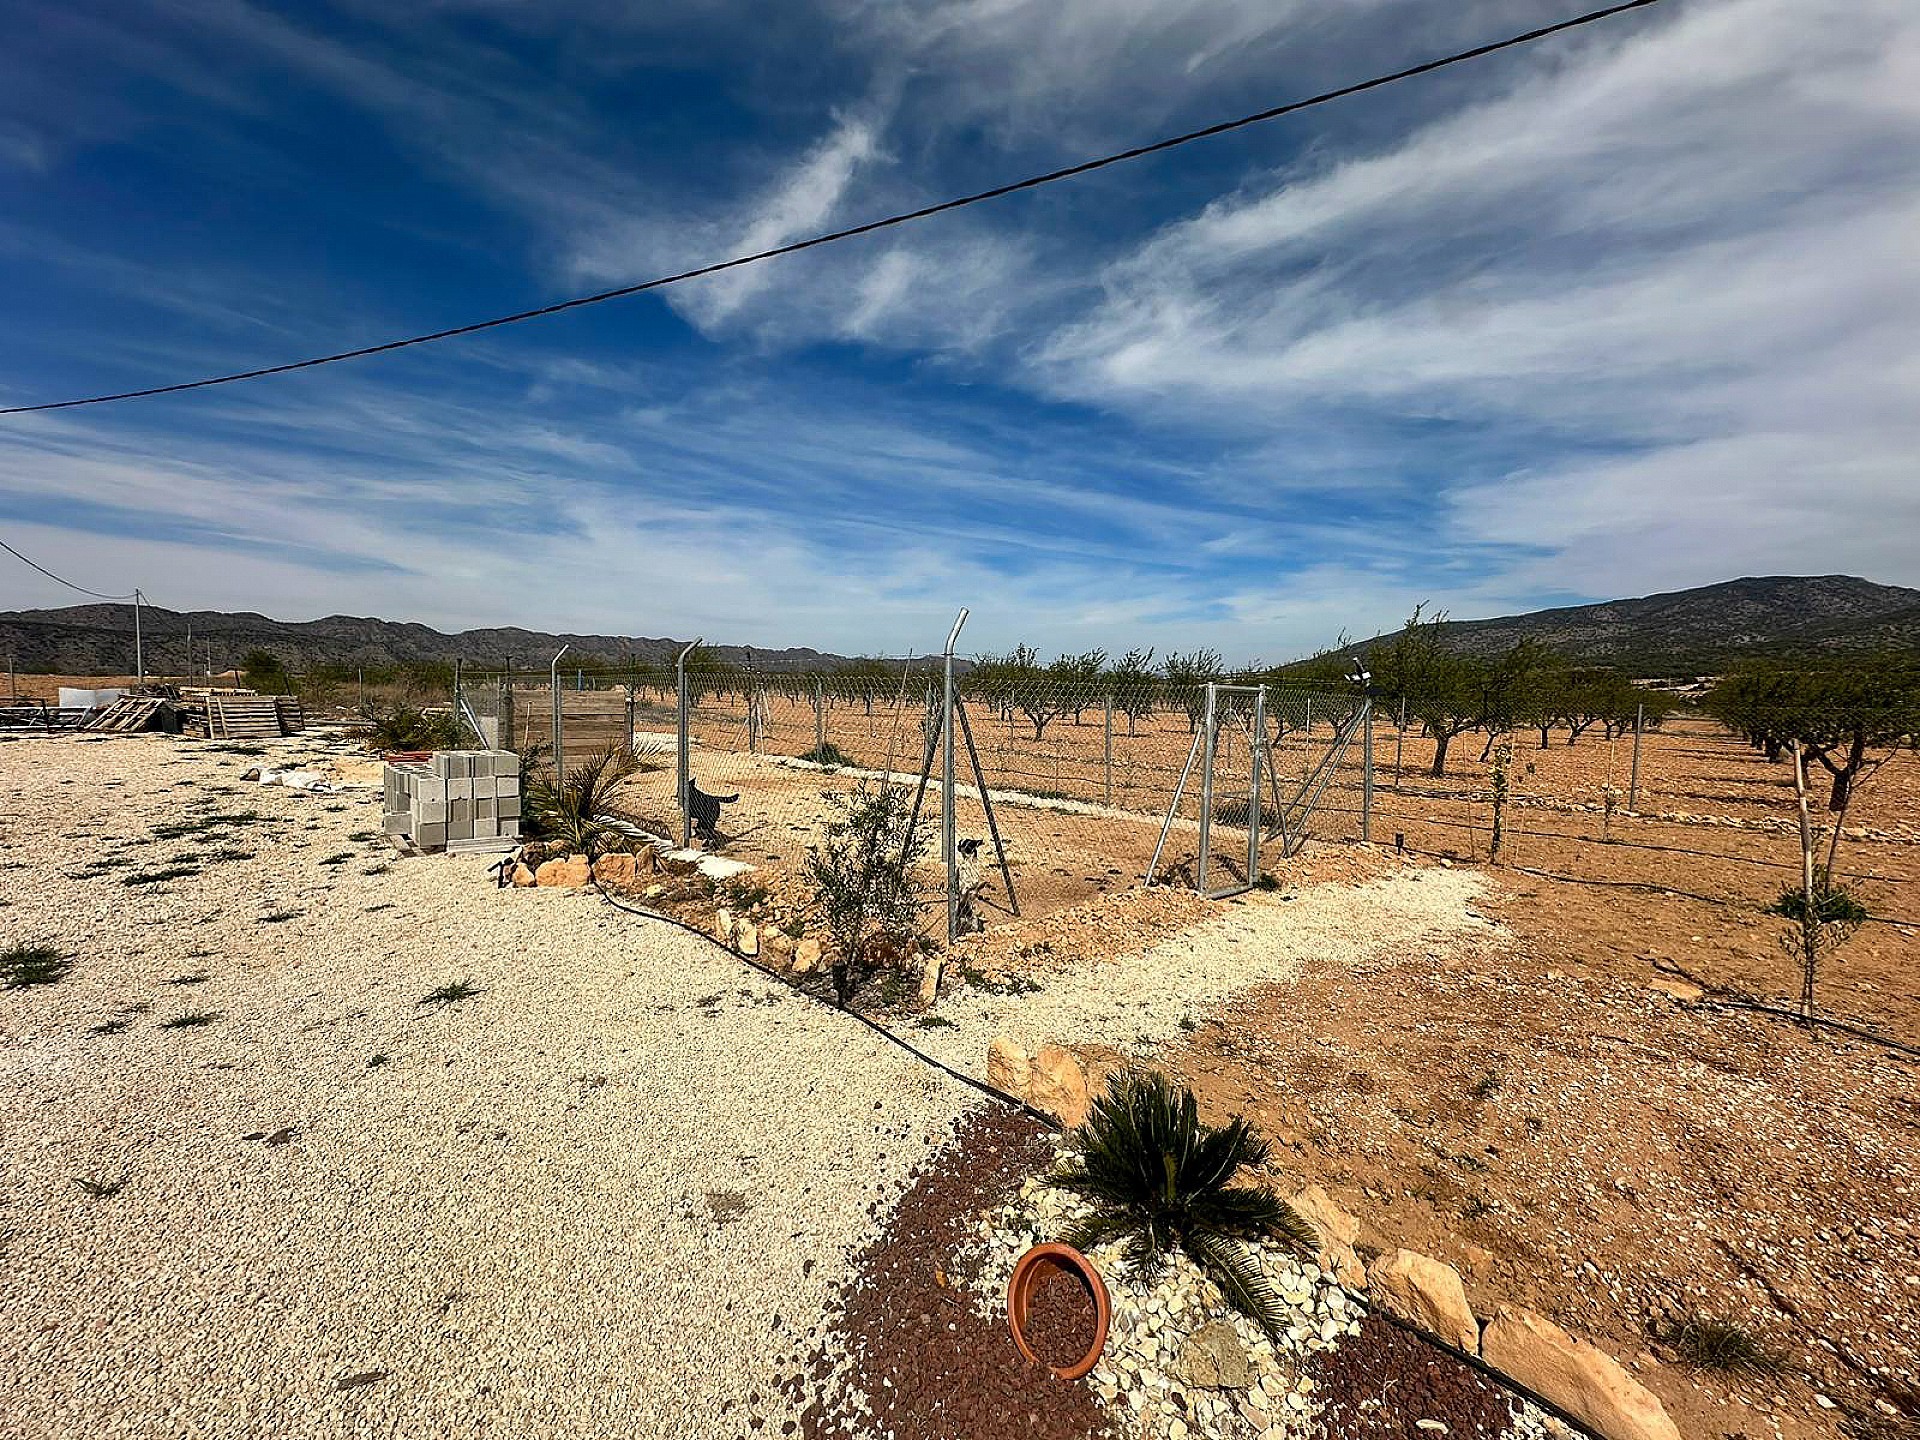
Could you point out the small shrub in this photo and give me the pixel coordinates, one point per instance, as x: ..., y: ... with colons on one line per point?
x: 195, y: 979
x: 1832, y: 905
x: 22, y: 965
x: 829, y: 755
x: 935, y: 1022
x: 1485, y: 1087
x: 576, y: 811
x: 100, y: 1189
x: 1722, y: 1347
x: 278, y: 917
x: 405, y: 727
x: 374, y: 1062
x: 1160, y: 1180
x: 861, y: 878
x: 342, y: 858
x: 450, y: 994
x: 192, y: 1020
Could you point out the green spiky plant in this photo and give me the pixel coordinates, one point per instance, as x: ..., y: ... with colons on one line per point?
x: 1160, y: 1180
x: 577, y: 812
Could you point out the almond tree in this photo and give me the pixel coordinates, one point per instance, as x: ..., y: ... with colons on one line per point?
x: 1188, y: 676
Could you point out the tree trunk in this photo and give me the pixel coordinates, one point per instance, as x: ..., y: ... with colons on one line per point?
x: 1809, y: 914
x: 1442, y: 739
x: 1543, y: 737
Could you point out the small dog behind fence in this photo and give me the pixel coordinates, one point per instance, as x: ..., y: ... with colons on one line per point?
x: 705, y: 810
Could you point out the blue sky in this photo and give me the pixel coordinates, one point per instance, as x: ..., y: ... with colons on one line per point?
x: 1636, y: 309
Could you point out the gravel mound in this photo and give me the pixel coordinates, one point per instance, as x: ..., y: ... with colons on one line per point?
x: 598, y: 1195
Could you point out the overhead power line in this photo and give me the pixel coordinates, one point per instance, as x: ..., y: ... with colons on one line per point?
x: 1032, y: 182
x: 62, y: 579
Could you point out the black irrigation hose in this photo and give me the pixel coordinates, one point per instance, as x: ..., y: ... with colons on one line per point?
x: 1669, y: 890
x: 1859, y: 1031
x: 767, y: 970
x: 1471, y: 1361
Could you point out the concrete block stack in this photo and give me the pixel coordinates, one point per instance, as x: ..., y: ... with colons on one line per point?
x: 459, y: 800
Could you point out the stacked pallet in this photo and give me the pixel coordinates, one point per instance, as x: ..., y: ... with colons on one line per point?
x: 243, y: 717
x: 293, y: 719
x: 126, y: 715
x: 456, y: 800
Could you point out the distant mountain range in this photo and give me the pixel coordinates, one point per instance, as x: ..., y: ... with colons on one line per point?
x: 1688, y: 631
x: 1706, y: 628
x: 98, y: 640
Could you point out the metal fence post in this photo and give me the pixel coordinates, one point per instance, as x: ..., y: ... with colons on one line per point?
x: 948, y: 852
x: 1633, y: 784
x: 1399, y: 741
x: 1109, y: 749
x: 1206, y: 796
x: 1366, y: 774
x: 683, y: 771
x: 559, y: 743
x: 1255, y: 826
x: 819, y: 721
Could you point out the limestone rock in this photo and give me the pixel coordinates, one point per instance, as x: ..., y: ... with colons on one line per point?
x: 1584, y: 1381
x: 645, y: 862
x: 1212, y: 1358
x: 1007, y: 1067
x: 1057, y: 1085
x: 746, y: 938
x: 614, y: 869
x: 522, y: 876
x: 806, y: 957
x: 1427, y: 1292
x: 1338, y: 1231
x: 723, y: 926
x: 777, y: 944
x: 569, y: 872
x: 929, y: 984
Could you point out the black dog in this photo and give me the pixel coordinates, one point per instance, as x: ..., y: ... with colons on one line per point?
x: 972, y: 882
x: 705, y: 810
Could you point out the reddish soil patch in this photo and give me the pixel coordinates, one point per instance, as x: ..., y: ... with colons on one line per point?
x: 930, y: 1368
x: 1383, y: 1382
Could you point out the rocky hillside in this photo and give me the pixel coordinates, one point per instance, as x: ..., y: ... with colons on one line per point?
x: 1705, y: 628
x: 98, y: 640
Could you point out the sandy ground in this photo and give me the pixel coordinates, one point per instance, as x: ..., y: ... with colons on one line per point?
x: 595, y: 1198
x: 611, y: 1190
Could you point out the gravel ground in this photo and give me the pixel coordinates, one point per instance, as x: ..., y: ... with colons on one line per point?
x: 594, y: 1198
x: 1263, y: 938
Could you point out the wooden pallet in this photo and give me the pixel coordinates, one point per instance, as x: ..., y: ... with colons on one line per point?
x: 293, y: 719
x: 243, y: 717
x: 127, y: 714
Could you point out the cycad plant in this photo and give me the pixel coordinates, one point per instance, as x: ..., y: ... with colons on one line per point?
x: 1159, y: 1179
x: 577, y: 811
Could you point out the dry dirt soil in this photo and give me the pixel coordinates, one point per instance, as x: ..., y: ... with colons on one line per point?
x: 1578, y: 1142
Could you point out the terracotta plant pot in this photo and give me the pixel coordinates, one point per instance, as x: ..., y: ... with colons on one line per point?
x: 1028, y: 1271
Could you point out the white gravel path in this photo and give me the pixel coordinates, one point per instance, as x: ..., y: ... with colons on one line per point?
x: 505, y: 1229
x: 1262, y: 938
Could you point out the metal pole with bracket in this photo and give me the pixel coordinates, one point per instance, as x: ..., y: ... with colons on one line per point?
x: 947, y: 837
x: 559, y: 742
x: 684, y: 764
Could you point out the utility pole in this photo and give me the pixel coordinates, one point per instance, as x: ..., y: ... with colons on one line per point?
x: 139, y: 653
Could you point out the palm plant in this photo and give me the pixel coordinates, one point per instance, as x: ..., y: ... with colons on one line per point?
x: 1160, y: 1180
x: 576, y: 810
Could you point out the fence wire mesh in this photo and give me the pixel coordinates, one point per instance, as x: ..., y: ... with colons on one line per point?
x: 1083, y: 778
